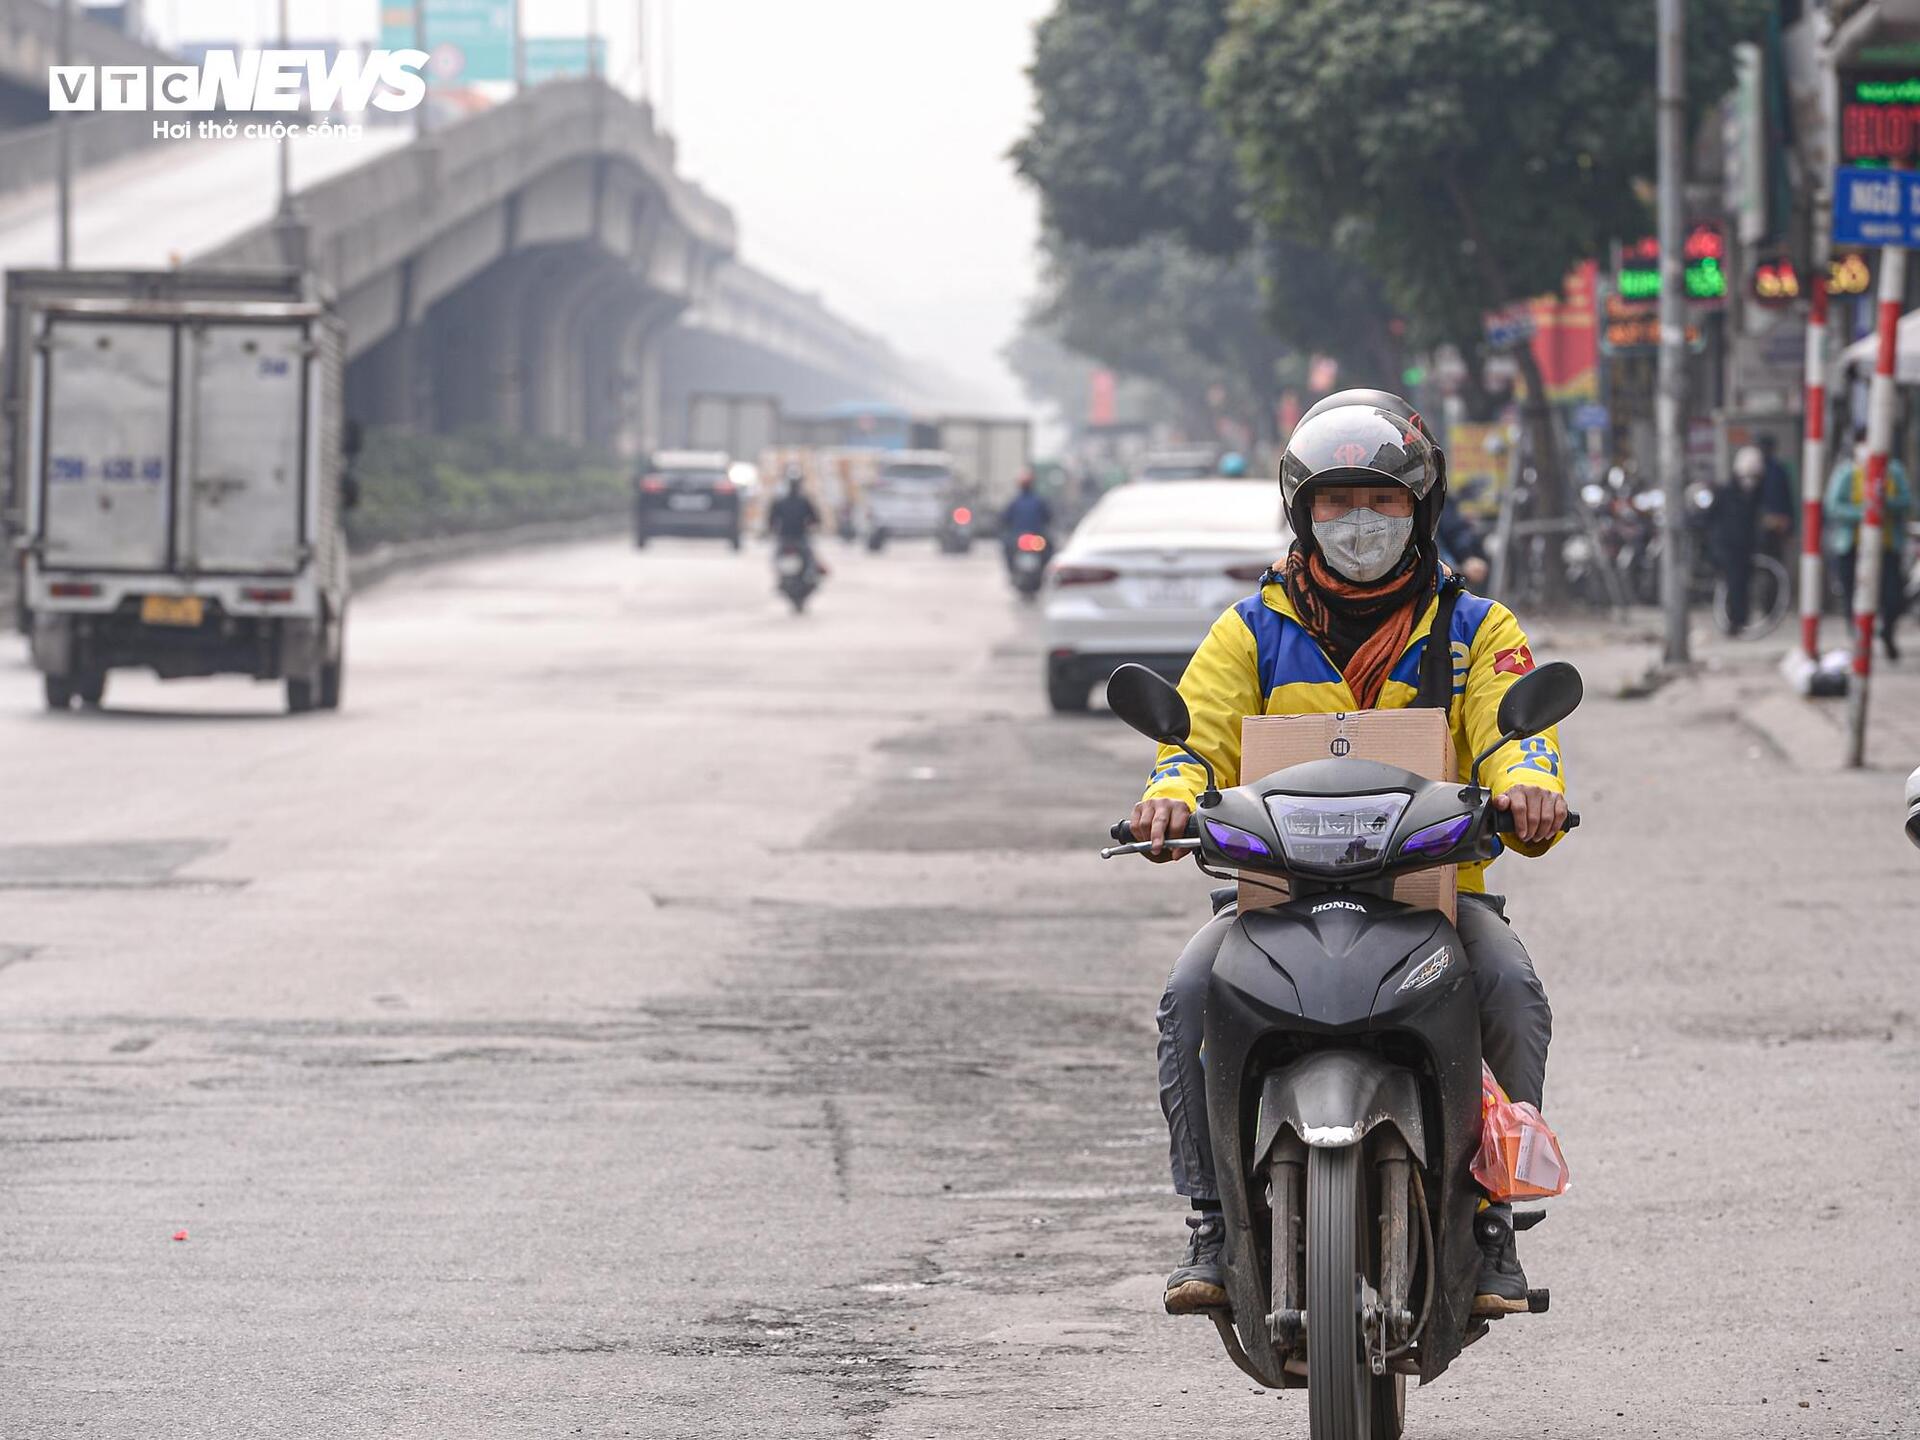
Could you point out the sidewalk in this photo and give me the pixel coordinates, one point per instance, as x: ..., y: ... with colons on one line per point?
x: 1740, y: 681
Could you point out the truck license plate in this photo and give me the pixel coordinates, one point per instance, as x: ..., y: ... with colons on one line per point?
x: 172, y: 610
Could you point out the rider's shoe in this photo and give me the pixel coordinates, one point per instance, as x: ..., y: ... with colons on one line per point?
x: 1198, y: 1284
x: 1502, y: 1286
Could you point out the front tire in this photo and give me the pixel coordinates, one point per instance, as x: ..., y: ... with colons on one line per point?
x: 91, y: 688
x: 1340, y: 1387
x: 59, y: 692
x: 300, y: 695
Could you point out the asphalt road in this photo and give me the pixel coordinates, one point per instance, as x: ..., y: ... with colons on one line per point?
x: 642, y: 1012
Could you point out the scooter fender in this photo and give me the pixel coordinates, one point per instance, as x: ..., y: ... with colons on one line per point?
x: 1333, y: 1098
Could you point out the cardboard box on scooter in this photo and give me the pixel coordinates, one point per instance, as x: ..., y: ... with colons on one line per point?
x: 1416, y: 740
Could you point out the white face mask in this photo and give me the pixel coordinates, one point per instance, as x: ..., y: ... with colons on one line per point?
x: 1363, y: 545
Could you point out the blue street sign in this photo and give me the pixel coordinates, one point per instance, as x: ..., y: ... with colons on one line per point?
x: 1590, y: 417
x: 1876, y: 207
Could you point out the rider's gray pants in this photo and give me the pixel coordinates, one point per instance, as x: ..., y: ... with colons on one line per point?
x: 1515, y: 1028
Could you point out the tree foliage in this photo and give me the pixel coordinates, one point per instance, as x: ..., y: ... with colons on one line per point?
x: 1125, y: 147
x: 1158, y: 310
x: 1467, y: 152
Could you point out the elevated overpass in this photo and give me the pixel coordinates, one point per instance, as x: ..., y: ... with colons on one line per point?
x: 529, y: 267
x: 29, y: 44
x: 540, y: 266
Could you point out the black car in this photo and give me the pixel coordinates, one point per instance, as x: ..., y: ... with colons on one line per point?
x: 686, y: 492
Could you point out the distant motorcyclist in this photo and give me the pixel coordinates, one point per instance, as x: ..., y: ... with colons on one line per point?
x: 1342, y: 625
x: 1461, y: 546
x: 1028, y: 513
x: 793, y: 518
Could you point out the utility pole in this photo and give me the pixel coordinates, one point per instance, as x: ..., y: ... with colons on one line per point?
x: 1673, y: 328
x: 63, y: 132
x: 642, y: 51
x: 287, y: 223
x: 422, y: 121
x: 519, y: 51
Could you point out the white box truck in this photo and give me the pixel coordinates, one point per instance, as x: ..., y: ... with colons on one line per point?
x: 177, y: 456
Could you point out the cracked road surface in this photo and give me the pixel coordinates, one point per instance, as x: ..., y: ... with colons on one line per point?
x: 641, y: 1012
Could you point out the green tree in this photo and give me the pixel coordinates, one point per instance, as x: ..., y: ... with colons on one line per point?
x: 1468, y: 152
x: 1126, y: 153
x: 1157, y: 310
x: 1124, y: 147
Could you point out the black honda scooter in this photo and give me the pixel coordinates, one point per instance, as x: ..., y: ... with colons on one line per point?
x: 1343, y: 1065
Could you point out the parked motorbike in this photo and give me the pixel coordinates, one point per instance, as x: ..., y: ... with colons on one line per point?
x: 1343, y: 1065
x: 1027, y: 563
x: 798, y: 572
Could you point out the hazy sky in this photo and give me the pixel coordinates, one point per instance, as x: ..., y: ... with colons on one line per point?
x: 861, y: 143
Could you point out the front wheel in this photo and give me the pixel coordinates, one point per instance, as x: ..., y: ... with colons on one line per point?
x: 1340, y: 1388
x: 59, y: 692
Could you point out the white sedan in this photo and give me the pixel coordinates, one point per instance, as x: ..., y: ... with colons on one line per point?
x: 1148, y: 572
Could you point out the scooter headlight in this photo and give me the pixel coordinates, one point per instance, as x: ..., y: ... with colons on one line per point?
x: 1237, y: 844
x: 1437, y: 839
x: 1336, y: 835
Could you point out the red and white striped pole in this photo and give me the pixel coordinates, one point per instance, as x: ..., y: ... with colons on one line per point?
x: 1867, y: 552
x: 1813, y: 472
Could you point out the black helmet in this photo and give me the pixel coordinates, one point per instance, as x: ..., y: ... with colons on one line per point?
x: 1357, y: 435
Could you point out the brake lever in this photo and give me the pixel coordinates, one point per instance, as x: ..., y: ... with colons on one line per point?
x: 1145, y: 847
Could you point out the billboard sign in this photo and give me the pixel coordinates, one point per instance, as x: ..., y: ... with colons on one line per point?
x: 1876, y: 207
x: 1879, y: 119
x: 471, y: 41
x: 557, y: 57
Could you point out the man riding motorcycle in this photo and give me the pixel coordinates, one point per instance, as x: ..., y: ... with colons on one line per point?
x: 1342, y: 626
x: 1026, y: 514
x: 793, y: 518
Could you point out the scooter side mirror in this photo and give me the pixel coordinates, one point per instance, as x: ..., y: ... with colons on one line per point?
x: 1149, y: 704
x: 1537, y: 701
x: 1913, y: 807
x: 1540, y: 699
x: 1153, y: 707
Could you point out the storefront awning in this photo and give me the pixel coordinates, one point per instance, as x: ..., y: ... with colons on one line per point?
x: 1860, y: 355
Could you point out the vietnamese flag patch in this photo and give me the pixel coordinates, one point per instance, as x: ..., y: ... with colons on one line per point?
x: 1513, y: 662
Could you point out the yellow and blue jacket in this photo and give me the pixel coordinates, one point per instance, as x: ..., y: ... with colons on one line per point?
x: 1260, y: 660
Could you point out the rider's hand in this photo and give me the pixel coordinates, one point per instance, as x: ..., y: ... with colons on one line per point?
x: 1160, y: 821
x: 1537, y: 814
x: 1474, y: 571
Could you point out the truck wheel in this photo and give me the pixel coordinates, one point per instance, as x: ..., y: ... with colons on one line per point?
x: 59, y: 692
x: 91, y: 688
x: 299, y: 695
x: 333, y: 672
x: 876, y: 541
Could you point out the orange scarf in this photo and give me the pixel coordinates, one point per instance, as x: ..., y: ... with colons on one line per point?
x: 1371, y: 624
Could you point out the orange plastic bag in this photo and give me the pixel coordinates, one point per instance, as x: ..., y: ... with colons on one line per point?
x: 1519, y: 1155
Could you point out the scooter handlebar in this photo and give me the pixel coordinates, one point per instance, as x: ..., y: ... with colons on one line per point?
x: 1503, y: 822
x: 1122, y: 830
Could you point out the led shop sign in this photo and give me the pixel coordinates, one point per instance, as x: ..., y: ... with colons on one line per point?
x: 1879, y: 117
x: 1704, y: 275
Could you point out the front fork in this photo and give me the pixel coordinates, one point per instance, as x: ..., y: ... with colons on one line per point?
x: 1384, y: 1292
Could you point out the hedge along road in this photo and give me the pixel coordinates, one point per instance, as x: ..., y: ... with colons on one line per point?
x: 641, y: 1010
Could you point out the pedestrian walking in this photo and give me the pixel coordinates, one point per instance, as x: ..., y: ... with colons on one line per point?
x: 1779, y: 501
x: 1734, y: 529
x: 1846, y: 504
